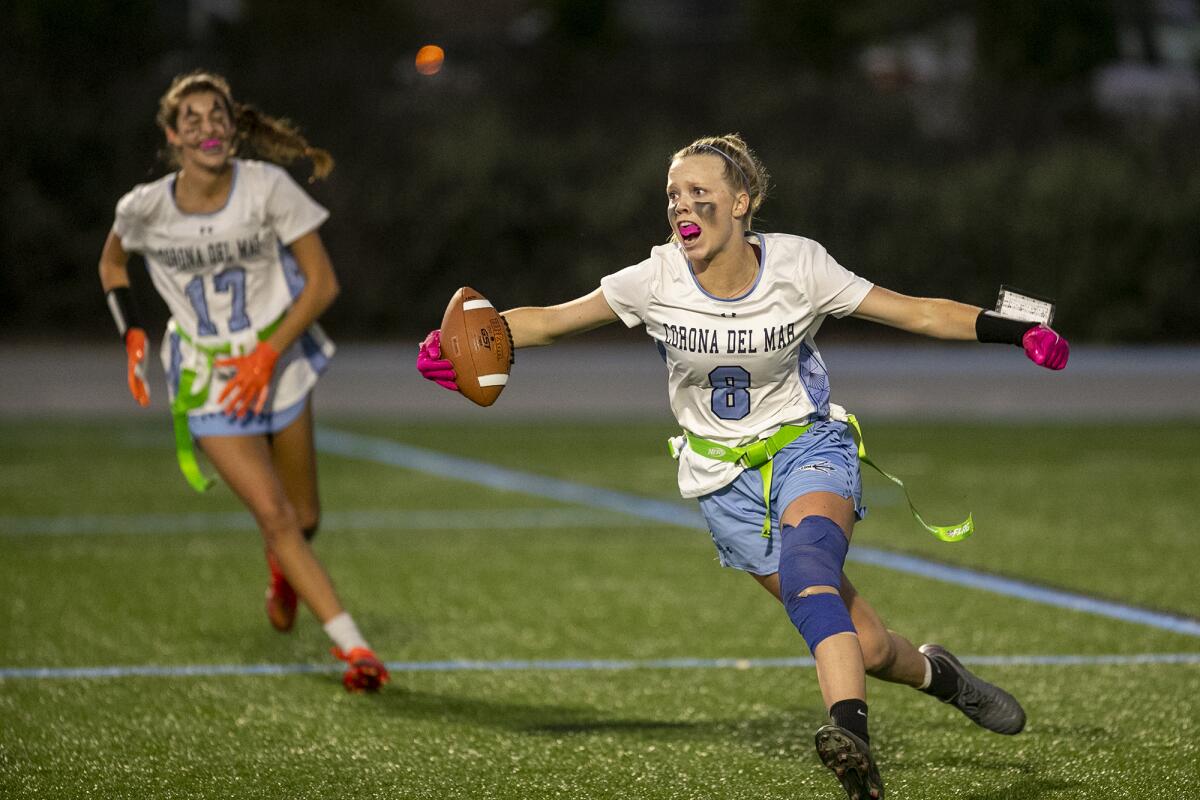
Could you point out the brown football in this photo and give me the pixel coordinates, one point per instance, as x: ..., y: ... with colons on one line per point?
x: 476, y: 341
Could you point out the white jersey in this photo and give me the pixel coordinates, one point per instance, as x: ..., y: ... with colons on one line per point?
x: 227, y: 275
x: 738, y: 369
x: 221, y: 273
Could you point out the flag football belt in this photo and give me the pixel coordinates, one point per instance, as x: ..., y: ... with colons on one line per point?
x: 756, y: 455
x: 759, y: 455
x: 189, y: 396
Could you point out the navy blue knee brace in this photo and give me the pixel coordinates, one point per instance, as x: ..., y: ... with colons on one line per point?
x: 812, y: 554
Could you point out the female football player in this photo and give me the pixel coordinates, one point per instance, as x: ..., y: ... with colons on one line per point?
x: 774, y: 465
x: 232, y: 247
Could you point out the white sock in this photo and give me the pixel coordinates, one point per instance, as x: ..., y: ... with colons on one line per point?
x: 928, y: 673
x: 344, y: 632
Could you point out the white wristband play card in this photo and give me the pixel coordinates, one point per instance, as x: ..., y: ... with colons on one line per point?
x: 1024, y: 306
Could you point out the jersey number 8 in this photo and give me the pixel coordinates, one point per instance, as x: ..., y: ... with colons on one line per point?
x: 731, y: 392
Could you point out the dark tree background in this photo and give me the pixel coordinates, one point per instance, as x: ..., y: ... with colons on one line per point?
x: 937, y: 147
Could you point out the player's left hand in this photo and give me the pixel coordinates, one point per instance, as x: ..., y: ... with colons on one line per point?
x: 1045, y: 347
x: 247, y: 389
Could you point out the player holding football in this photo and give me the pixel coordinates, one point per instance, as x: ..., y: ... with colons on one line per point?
x: 232, y: 247
x: 733, y: 313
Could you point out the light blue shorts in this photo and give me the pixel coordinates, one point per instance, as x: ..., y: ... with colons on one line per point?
x: 251, y: 425
x: 824, y: 459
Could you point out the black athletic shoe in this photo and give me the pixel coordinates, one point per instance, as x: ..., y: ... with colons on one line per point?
x: 850, y: 759
x: 984, y: 704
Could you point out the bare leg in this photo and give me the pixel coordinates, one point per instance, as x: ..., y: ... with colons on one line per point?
x: 245, y: 464
x: 887, y: 655
x: 295, y: 458
x: 839, y: 658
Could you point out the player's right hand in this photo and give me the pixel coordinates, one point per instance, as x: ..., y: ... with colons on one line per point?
x: 432, y: 366
x: 135, y: 352
x: 1045, y: 347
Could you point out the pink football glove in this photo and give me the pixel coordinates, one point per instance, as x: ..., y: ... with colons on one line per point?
x: 247, y: 389
x: 1045, y: 347
x: 432, y: 366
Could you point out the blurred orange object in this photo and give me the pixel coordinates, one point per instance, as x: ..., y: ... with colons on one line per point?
x: 135, y: 350
x: 429, y: 59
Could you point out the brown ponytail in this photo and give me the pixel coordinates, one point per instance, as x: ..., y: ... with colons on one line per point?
x: 277, y: 140
x: 273, y: 139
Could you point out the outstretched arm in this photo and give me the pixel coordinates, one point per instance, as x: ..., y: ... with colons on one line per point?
x: 949, y: 319
x: 530, y: 326
x: 927, y: 316
x: 534, y: 326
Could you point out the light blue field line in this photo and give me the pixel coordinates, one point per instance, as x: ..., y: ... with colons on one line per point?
x: 458, y: 469
x: 511, y: 665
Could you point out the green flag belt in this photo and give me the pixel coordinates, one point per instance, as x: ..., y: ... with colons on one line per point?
x: 190, y: 395
x: 759, y: 455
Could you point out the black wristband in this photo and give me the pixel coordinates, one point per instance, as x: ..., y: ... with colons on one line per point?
x: 993, y: 328
x: 124, y: 312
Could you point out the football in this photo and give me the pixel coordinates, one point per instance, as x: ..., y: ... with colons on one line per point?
x: 477, y: 342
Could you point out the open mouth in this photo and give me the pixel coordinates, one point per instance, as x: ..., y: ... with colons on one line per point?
x: 689, y: 231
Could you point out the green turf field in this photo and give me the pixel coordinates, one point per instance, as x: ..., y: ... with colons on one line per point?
x: 108, y: 560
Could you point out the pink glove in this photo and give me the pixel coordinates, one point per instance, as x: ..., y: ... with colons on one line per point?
x: 432, y: 366
x: 1045, y: 347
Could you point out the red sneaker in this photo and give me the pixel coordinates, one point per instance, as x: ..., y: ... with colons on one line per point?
x: 365, y: 672
x: 281, y: 598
